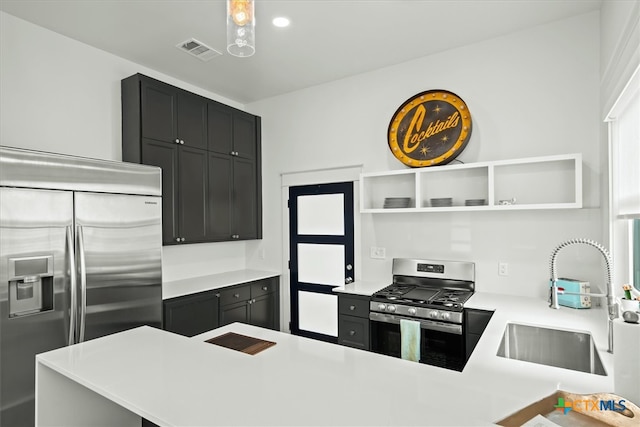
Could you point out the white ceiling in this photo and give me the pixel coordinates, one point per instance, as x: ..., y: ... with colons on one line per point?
x: 327, y: 39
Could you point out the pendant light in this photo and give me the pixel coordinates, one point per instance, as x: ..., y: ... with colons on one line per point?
x: 241, y: 25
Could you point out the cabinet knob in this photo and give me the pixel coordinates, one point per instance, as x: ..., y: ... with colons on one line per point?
x: 182, y: 239
x: 265, y: 288
x: 178, y: 239
x: 250, y: 302
x: 352, y: 307
x: 182, y: 141
x: 177, y: 141
x: 352, y: 333
x: 236, y: 295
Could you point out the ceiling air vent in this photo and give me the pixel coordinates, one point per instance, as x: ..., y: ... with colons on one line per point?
x: 198, y: 49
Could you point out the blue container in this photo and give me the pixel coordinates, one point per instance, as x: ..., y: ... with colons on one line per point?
x: 575, y: 286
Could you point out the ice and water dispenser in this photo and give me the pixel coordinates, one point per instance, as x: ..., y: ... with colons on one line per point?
x: 30, y: 285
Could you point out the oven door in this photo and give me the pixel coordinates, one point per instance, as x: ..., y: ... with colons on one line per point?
x: 441, y: 343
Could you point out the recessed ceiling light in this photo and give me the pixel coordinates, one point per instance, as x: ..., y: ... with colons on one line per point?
x: 281, y: 21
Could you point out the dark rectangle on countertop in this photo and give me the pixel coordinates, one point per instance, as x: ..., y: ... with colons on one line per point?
x: 239, y: 342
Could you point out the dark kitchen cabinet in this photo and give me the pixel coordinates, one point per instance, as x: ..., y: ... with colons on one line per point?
x: 184, y: 190
x: 255, y: 303
x: 353, y: 321
x: 235, y: 201
x: 172, y: 115
x: 192, y: 314
x: 232, y: 131
x: 210, y: 159
x: 475, y: 322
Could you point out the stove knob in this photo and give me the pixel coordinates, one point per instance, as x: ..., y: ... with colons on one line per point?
x: 381, y: 307
x: 445, y: 316
x: 391, y: 308
x: 412, y: 311
x: 433, y: 314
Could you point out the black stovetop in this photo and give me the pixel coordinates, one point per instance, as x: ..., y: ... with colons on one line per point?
x: 423, y: 296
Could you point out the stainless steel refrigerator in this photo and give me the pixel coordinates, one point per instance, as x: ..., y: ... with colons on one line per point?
x: 80, y: 258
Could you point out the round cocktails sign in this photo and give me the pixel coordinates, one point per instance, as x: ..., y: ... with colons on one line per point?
x: 429, y: 129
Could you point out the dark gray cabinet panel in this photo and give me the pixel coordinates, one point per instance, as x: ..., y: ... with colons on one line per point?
x: 220, y: 197
x: 192, y: 206
x: 159, y: 111
x: 234, y: 146
x: 255, y: 303
x: 263, y: 311
x: 244, y: 135
x: 191, y: 315
x: 238, y: 312
x: 210, y: 195
x: 475, y: 323
x: 184, y: 187
x: 353, y: 331
x: 172, y: 115
x: 235, y: 294
x: 192, y: 120
x: 220, y: 127
x: 353, y: 306
x: 165, y: 156
x: 245, y: 209
x: 353, y: 321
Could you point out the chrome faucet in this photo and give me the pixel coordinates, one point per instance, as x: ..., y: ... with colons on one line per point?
x: 612, y: 306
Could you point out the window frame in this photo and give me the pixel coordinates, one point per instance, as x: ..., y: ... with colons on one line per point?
x: 624, y: 221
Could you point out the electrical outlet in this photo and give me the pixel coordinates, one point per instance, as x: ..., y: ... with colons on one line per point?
x: 378, y: 253
x: 503, y: 269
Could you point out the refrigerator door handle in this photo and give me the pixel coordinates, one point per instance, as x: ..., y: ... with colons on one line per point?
x: 74, y: 290
x: 83, y: 284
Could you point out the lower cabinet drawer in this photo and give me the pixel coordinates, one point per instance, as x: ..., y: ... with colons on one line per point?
x: 353, y: 332
x: 235, y: 294
x: 263, y: 287
x: 353, y: 306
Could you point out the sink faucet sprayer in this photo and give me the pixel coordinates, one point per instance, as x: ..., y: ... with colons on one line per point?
x: 611, y: 303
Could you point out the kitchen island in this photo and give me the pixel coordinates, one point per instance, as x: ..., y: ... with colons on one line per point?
x: 173, y: 380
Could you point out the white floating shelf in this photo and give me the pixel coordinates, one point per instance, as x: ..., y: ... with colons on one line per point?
x: 550, y: 182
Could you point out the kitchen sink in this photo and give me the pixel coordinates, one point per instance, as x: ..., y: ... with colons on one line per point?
x: 561, y: 348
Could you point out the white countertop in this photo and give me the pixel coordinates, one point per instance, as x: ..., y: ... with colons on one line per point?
x: 361, y: 287
x: 178, y: 288
x: 177, y: 381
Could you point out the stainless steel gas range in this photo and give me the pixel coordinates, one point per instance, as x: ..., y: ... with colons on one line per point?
x: 432, y: 293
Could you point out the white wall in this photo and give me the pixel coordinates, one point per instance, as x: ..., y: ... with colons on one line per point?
x: 532, y: 93
x: 619, y: 57
x: 62, y: 96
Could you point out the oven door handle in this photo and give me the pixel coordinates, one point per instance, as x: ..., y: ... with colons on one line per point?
x: 450, y: 328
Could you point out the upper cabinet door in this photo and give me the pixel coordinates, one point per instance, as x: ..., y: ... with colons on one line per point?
x: 220, y: 127
x: 166, y: 157
x: 159, y: 106
x: 245, y: 208
x: 192, y: 206
x: 244, y: 135
x: 192, y: 120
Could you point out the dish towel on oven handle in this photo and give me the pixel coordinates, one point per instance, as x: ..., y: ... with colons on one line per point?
x: 410, y: 337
